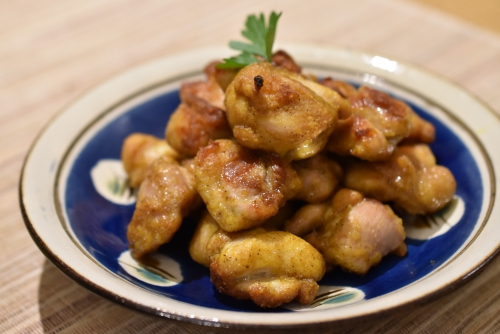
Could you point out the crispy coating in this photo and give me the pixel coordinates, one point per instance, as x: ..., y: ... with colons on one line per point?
x: 330, y: 96
x: 389, y: 115
x: 411, y: 179
x: 358, y: 137
x: 307, y: 218
x: 199, y: 93
x: 319, y: 175
x: 199, y: 118
x: 206, y: 227
x: 358, y: 232
x: 283, y: 59
x: 421, y: 131
x: 270, y: 268
x: 375, y: 123
x: 165, y: 197
x: 223, y: 77
x: 268, y: 110
x: 139, y: 150
x: 242, y: 188
x: 343, y: 88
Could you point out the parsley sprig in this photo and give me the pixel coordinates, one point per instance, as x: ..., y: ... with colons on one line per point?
x: 261, y: 38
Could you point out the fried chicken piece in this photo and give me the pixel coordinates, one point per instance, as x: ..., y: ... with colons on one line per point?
x: 343, y: 88
x: 411, y: 179
x: 397, y: 120
x: 139, y: 150
x: 421, y: 131
x: 269, y: 111
x: 307, y: 218
x: 199, y: 118
x: 242, y: 188
x: 327, y: 94
x: 375, y: 124
x: 319, y: 175
x: 389, y: 115
x: 223, y: 77
x: 206, y: 227
x: 165, y: 197
x: 357, y: 137
x: 358, y: 232
x: 277, y: 222
x: 283, y: 59
x: 270, y: 268
x: 209, y: 92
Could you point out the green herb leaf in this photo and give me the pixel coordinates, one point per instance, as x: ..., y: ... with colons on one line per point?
x: 261, y: 38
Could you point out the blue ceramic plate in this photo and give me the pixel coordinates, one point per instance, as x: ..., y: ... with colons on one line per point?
x: 77, y: 204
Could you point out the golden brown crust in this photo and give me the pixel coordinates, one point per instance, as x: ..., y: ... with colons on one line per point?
x: 306, y: 219
x: 375, y: 123
x: 284, y: 60
x: 410, y: 178
x: 283, y: 116
x: 357, y: 232
x: 242, y: 188
x: 139, y: 151
x: 319, y: 175
x: 165, y: 197
x: 223, y: 77
x: 357, y: 137
x: 199, y: 118
x: 270, y: 268
x: 206, y: 227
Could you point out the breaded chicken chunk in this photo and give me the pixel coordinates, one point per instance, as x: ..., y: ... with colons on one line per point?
x: 375, y: 124
x: 139, y: 150
x: 307, y: 218
x: 199, y: 118
x: 242, y: 188
x: 270, y: 111
x: 282, y: 59
x: 319, y: 175
x: 206, y: 227
x: 392, y: 117
x: 411, y: 179
x: 270, y: 268
x: 222, y: 77
x: 358, y: 232
x: 165, y: 197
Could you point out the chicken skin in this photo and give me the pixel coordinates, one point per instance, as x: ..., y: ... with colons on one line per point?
x: 199, y: 118
x: 241, y: 187
x: 282, y: 59
x: 389, y: 115
x: 206, y: 227
x: 357, y: 137
x: 307, y: 218
x: 319, y: 175
x: 270, y: 111
x: 358, y: 232
x: 411, y: 179
x: 222, y: 77
x: 138, y: 153
x: 270, y: 268
x: 375, y: 124
x: 165, y: 197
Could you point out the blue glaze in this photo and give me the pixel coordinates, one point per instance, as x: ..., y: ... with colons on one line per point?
x: 100, y: 225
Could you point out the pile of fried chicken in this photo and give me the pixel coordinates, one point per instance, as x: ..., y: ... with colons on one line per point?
x: 294, y: 175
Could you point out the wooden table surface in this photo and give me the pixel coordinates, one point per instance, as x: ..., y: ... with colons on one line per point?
x: 52, y: 51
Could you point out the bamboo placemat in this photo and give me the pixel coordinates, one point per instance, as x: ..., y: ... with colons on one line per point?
x: 52, y: 51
